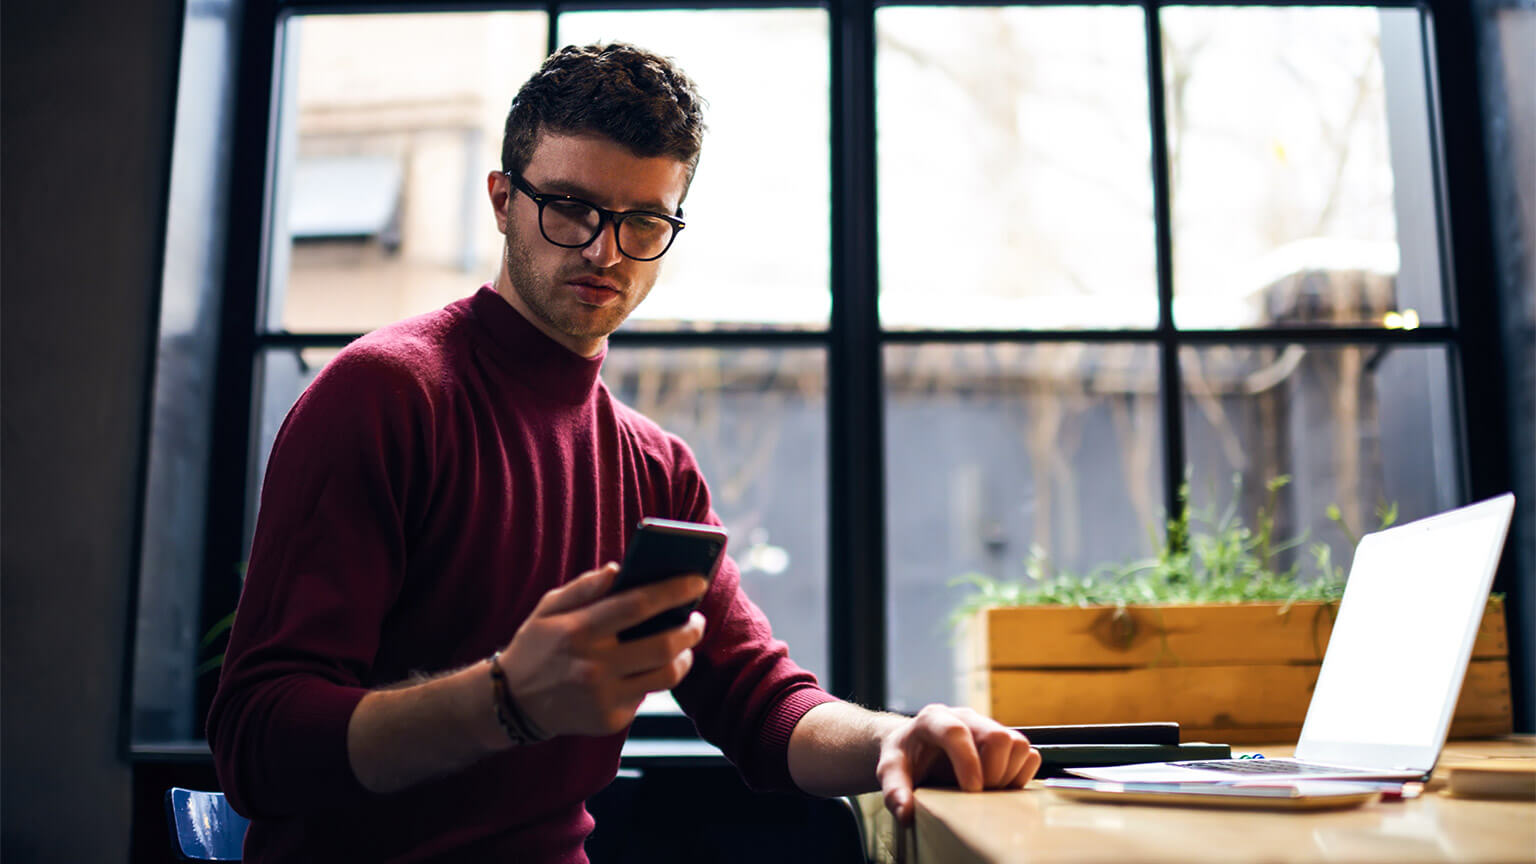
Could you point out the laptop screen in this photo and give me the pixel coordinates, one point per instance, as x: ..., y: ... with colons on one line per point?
x: 1405, y: 628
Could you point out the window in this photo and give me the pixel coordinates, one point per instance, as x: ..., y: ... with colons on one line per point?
x: 1030, y: 282
x: 1047, y: 393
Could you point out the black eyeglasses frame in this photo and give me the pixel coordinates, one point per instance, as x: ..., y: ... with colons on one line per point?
x: 604, y: 216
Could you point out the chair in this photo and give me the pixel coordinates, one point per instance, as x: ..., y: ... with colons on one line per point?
x: 203, y: 827
x: 844, y: 831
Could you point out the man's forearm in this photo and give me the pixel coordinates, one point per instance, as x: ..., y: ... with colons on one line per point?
x: 835, y: 747
x: 399, y: 737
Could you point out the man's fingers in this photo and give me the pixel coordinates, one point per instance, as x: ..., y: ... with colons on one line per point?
x: 895, y: 774
x: 628, y: 608
x: 663, y: 678
x: 996, y: 745
x: 1015, y: 776
x: 947, y: 732
x: 581, y: 591
x: 1032, y: 760
x: 657, y: 650
x: 1004, y: 753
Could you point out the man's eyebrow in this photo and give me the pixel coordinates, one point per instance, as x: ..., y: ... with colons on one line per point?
x: 576, y: 190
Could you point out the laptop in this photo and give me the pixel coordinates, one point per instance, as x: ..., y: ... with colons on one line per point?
x: 1392, y: 673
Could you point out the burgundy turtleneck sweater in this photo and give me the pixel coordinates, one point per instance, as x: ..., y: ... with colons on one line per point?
x: 438, y: 477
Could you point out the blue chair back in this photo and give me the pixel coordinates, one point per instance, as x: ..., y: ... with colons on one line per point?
x: 203, y: 827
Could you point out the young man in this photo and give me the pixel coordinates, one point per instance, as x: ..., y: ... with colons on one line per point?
x: 414, y: 673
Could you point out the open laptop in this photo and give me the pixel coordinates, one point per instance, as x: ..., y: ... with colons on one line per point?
x: 1393, y: 669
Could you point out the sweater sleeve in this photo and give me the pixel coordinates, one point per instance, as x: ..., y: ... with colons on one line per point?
x: 744, y: 693
x: 326, y: 564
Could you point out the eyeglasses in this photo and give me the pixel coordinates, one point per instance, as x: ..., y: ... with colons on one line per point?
x: 573, y: 223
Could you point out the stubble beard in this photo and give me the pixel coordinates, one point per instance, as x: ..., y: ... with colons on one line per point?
x: 541, y: 293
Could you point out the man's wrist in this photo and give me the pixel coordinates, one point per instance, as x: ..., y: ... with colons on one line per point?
x: 515, y: 724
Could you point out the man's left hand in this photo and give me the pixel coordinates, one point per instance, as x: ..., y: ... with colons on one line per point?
x: 944, y: 745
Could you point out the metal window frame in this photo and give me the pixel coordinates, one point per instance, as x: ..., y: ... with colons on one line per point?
x: 854, y: 339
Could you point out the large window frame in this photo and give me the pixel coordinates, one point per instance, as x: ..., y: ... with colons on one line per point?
x: 854, y: 339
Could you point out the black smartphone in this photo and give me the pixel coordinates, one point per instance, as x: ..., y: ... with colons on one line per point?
x: 661, y: 549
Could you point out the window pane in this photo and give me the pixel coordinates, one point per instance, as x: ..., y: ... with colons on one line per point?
x: 166, y: 639
x: 756, y: 421
x: 388, y: 126
x: 996, y: 449
x: 1358, y: 427
x: 282, y: 375
x: 1300, y: 169
x: 765, y: 162
x: 1014, y: 168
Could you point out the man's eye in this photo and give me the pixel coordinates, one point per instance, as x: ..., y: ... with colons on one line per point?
x: 572, y: 210
x: 648, y: 226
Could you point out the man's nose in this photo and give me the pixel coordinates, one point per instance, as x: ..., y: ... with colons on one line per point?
x: 604, y: 248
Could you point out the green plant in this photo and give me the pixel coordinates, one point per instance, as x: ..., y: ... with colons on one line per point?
x: 1202, y: 557
x: 218, y: 629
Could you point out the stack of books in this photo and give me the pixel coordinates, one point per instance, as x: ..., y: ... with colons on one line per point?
x: 1096, y: 745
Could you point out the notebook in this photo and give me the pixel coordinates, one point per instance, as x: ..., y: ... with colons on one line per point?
x: 1394, y: 665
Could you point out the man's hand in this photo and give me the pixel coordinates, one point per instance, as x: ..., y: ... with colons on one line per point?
x: 567, y: 669
x: 947, y: 745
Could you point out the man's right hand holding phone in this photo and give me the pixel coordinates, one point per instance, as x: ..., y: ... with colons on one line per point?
x: 567, y: 668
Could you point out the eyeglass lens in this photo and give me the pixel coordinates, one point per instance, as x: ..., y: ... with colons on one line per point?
x: 573, y: 223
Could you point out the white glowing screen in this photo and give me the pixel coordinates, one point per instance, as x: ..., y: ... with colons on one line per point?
x: 1410, y: 613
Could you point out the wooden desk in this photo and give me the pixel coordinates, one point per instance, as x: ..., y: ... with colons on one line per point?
x: 1033, y: 825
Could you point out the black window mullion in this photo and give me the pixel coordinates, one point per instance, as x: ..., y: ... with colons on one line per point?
x: 1431, y: 335
x: 856, y: 482
x: 1170, y: 394
x: 1480, y: 365
x: 725, y: 339
x: 224, y: 542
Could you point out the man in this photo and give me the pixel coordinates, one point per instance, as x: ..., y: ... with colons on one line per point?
x: 414, y: 674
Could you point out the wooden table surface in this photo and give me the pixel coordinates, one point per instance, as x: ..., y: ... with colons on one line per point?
x: 1033, y: 825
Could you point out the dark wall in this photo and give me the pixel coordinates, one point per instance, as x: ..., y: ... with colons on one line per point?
x: 88, y: 92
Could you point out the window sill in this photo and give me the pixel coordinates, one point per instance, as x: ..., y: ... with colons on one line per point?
x: 638, y: 752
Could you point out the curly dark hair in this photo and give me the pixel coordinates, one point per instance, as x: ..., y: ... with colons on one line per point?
x: 636, y: 98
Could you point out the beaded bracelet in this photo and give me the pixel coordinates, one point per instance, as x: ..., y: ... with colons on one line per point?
x: 520, y: 730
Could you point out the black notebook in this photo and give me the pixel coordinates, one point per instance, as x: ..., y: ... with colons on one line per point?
x: 1101, y: 744
x: 1055, y: 759
x: 1103, y: 733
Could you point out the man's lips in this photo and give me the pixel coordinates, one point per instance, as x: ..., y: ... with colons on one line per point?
x: 595, y: 292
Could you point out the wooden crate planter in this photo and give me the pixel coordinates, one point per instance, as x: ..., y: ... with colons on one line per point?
x: 1233, y: 673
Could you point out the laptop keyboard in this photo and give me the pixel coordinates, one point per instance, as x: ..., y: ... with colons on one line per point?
x: 1267, y: 766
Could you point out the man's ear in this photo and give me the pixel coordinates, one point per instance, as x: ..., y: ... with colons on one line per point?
x: 500, y: 190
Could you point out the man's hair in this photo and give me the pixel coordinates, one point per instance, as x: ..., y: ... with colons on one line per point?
x: 638, y: 99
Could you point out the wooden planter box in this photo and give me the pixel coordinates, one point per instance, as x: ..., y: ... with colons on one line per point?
x: 1232, y: 673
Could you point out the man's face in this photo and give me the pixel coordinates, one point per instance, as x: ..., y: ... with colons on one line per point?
x: 578, y: 296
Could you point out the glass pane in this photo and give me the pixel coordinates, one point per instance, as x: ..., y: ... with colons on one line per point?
x: 282, y: 375
x: 1364, y: 429
x: 1299, y: 161
x: 756, y: 419
x: 175, y: 499
x: 387, y: 128
x: 1014, y: 168
x: 994, y: 450
x: 764, y: 162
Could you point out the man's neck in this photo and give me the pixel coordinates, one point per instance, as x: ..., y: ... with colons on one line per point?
x: 587, y: 348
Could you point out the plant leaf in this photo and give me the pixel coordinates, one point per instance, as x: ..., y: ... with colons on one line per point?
x: 216, y: 630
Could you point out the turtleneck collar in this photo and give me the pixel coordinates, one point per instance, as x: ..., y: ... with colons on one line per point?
x: 540, y: 362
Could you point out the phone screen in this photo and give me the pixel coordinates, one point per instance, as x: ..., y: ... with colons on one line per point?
x: 661, y: 549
